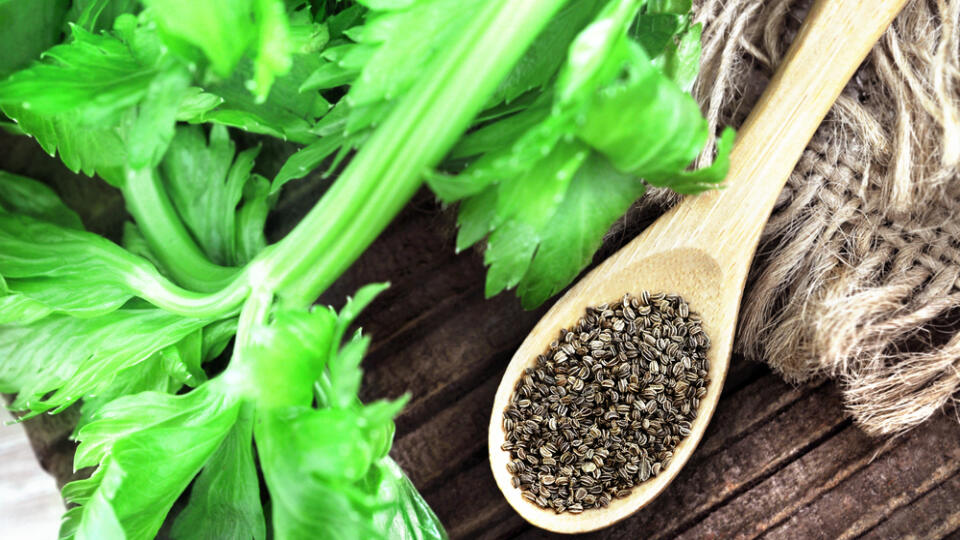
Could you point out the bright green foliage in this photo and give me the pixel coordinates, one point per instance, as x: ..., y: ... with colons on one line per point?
x: 342, y: 384
x: 334, y: 141
x: 306, y: 160
x: 665, y: 33
x: 148, y: 439
x: 332, y: 457
x: 149, y: 131
x: 82, y: 148
x: 384, y: 57
x: 395, y: 55
x: 134, y: 242
x: 326, y: 468
x: 96, y: 276
x: 597, y: 195
x: 93, y: 275
x: 159, y: 373
x: 27, y: 28
x: 334, y: 460
x: 287, y: 113
x: 195, y: 103
x: 21, y: 195
x: 225, y: 499
x: 612, y: 105
x: 69, y: 101
x: 96, y: 71
x: 540, y: 63
x: 411, y: 516
x: 193, y: 350
x: 182, y: 360
x: 97, y: 15
x: 523, y: 206
x: 74, y: 357
x: 108, y: 102
x: 227, y: 29
x: 303, y: 340
x: 223, y: 205
x: 167, y: 370
x: 18, y: 308
x: 216, y: 337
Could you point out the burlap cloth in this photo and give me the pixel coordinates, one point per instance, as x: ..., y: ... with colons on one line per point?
x: 856, y: 276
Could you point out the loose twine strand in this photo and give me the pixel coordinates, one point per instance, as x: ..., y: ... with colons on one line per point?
x: 857, y: 276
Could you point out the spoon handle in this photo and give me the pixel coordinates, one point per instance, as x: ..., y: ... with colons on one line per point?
x: 834, y: 40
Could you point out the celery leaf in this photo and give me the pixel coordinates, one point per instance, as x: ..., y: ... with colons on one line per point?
x: 615, y: 121
x: 221, y: 202
x: 53, y: 362
x: 94, y: 276
x: 150, y: 446
x: 27, y: 28
x: 225, y: 499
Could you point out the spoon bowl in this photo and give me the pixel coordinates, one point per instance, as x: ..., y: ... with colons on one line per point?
x: 658, y: 273
x: 702, y: 248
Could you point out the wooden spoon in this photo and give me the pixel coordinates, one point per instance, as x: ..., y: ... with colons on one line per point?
x: 702, y: 248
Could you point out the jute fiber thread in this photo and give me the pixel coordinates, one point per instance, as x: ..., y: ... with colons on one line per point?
x: 856, y: 276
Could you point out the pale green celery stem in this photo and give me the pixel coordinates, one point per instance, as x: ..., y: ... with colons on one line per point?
x: 388, y: 170
x: 254, y: 313
x: 175, y: 299
x: 167, y: 236
x: 238, y: 377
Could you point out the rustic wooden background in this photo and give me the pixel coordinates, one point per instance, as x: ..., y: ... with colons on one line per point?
x: 777, y: 461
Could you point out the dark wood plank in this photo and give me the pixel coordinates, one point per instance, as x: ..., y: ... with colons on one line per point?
x: 450, y: 351
x: 744, y: 408
x: 485, y: 510
x: 914, y: 464
x: 765, y: 434
x: 481, y: 510
x: 448, y: 439
x: 934, y: 514
x: 782, y: 495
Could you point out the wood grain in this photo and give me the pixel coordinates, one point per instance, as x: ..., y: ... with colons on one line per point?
x: 933, y: 514
x: 772, y: 451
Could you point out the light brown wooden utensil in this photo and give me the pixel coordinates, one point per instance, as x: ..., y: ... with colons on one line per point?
x: 702, y: 249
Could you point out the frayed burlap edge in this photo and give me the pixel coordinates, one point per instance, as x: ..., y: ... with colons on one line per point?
x: 856, y: 276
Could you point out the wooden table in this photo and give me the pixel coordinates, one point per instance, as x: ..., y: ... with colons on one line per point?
x: 777, y: 461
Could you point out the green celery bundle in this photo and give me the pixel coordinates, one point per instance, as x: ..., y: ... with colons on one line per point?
x: 544, y: 120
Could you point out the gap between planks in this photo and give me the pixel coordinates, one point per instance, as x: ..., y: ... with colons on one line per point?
x: 933, y: 514
x: 885, y: 481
